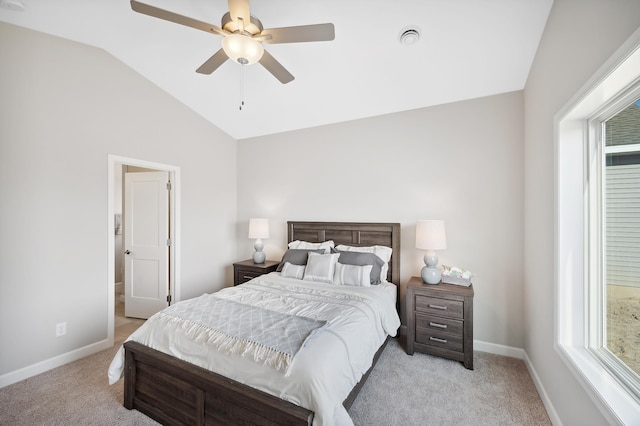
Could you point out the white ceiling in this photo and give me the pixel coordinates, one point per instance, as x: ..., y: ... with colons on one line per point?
x: 468, y: 49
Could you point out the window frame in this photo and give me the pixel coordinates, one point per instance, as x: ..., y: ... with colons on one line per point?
x: 576, y: 242
x: 596, y: 234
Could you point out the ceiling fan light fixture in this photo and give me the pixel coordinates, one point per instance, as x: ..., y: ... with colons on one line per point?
x: 242, y: 49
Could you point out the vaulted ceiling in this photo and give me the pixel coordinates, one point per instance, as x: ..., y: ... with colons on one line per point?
x: 467, y: 49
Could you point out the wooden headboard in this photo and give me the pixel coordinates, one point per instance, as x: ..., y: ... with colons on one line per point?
x: 353, y: 234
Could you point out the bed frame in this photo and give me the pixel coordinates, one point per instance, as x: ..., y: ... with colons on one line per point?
x: 175, y: 392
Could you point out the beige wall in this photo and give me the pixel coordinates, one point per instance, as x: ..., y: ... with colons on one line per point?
x: 64, y: 107
x: 579, y: 37
x: 460, y: 162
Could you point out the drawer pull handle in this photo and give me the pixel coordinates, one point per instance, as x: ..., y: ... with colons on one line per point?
x: 435, y: 324
x: 442, y: 308
x: 435, y: 339
x: 247, y: 277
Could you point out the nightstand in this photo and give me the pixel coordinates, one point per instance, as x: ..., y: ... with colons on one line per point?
x: 440, y: 320
x: 247, y: 270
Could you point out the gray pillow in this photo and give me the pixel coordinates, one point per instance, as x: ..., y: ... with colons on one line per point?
x: 296, y: 257
x: 362, y: 259
x: 321, y: 267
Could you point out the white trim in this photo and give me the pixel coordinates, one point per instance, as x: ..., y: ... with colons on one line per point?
x: 174, y: 218
x: 494, y: 348
x: 571, y: 227
x: 621, y: 149
x: 51, y: 363
x: 544, y: 396
x: 111, y: 260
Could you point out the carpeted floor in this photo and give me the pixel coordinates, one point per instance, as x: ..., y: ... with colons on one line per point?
x: 427, y: 390
x: 402, y: 390
x: 74, y: 394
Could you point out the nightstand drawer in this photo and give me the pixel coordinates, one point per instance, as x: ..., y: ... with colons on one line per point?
x: 247, y: 270
x: 439, y: 339
x: 244, y: 275
x: 437, y: 306
x: 436, y: 324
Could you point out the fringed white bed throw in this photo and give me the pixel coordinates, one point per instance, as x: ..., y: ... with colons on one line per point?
x: 269, y: 337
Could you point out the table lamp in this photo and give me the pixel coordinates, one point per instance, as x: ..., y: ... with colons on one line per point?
x: 430, y: 236
x: 258, y: 229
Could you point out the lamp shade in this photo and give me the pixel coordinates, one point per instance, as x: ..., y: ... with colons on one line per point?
x: 242, y: 49
x: 258, y: 228
x: 430, y: 235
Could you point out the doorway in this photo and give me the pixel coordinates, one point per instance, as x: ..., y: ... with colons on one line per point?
x: 119, y: 325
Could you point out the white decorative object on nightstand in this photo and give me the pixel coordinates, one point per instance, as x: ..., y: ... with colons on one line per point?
x: 258, y: 229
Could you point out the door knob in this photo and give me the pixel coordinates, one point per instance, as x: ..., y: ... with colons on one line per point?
x: 127, y: 252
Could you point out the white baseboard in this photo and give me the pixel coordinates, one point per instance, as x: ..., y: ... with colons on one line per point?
x: 551, y: 411
x: 493, y: 348
x: 57, y: 361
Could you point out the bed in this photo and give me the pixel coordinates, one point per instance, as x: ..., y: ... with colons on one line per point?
x: 176, y: 391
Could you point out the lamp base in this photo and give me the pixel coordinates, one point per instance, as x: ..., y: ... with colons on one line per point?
x: 431, y: 275
x: 258, y: 257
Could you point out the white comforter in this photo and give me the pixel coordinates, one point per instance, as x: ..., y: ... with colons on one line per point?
x: 325, y: 369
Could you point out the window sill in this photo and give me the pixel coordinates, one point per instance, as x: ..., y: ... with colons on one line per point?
x: 613, y: 399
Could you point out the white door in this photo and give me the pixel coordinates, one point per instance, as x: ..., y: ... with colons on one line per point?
x: 146, y: 243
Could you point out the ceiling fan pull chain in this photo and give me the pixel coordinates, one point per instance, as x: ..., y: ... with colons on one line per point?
x: 241, y: 86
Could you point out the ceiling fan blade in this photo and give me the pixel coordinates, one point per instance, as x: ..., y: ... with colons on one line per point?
x: 239, y: 9
x: 156, y: 12
x: 213, y: 62
x: 302, y: 33
x: 276, y: 68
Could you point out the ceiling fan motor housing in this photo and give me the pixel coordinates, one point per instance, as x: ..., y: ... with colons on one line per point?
x: 251, y: 28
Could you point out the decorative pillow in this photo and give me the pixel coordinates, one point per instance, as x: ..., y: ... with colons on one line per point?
x: 353, y: 275
x: 362, y: 259
x: 295, y: 257
x: 326, y: 245
x: 382, y: 252
x: 292, y: 271
x: 321, y: 267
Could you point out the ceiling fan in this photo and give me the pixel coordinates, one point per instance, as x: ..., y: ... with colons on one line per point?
x: 243, y: 36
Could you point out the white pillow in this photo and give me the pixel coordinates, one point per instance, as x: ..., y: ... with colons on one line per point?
x: 383, y: 252
x: 321, y: 267
x: 353, y: 275
x: 292, y: 271
x: 305, y: 245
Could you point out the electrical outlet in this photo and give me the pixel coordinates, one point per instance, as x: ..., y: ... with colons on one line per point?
x: 61, y: 329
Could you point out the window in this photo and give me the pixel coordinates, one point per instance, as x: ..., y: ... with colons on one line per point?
x: 614, y: 319
x: 598, y: 234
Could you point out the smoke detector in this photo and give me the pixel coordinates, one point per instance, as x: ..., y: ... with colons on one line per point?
x: 409, y: 35
x: 15, y: 5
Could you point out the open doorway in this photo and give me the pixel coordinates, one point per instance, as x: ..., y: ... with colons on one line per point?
x: 126, y: 177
